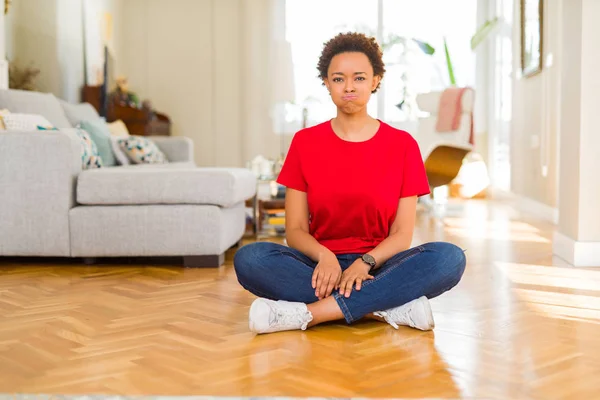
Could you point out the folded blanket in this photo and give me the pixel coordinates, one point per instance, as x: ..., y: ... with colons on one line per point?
x: 450, y: 111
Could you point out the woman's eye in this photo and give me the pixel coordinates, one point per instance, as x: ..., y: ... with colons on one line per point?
x: 337, y: 79
x: 360, y: 78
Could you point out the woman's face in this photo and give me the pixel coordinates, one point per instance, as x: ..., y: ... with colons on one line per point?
x: 350, y: 81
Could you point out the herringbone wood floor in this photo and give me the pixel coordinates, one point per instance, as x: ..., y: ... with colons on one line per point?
x: 521, y: 324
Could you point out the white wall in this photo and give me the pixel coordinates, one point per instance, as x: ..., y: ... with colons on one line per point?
x: 168, y: 58
x: 589, y: 163
x: 535, y: 111
x: 3, y: 62
x: 571, y: 120
x: 69, y: 50
x: 32, y: 36
x: 205, y: 64
x: 580, y: 144
x: 102, y: 26
x: 577, y: 239
x: 48, y: 34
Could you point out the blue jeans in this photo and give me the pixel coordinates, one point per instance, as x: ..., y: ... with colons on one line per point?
x: 277, y: 272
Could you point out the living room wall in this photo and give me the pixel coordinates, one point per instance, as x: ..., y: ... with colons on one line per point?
x: 534, y: 130
x: 48, y: 35
x: 205, y: 64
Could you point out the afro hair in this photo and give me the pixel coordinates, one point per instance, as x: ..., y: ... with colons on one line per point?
x: 352, y: 42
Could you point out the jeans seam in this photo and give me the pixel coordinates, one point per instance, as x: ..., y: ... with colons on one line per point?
x: 447, y: 288
x: 402, y: 261
x: 345, y: 310
x: 290, y: 253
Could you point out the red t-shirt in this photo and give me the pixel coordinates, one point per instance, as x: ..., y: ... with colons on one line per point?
x: 353, y: 188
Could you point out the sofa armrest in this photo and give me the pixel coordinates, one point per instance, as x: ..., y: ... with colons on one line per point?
x: 38, y: 172
x: 176, y: 148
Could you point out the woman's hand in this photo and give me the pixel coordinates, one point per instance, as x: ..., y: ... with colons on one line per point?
x: 356, y: 273
x: 326, y: 276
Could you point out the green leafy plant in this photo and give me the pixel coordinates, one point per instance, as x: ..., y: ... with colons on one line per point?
x: 479, y: 37
x: 449, y: 64
x: 483, y: 31
x: 22, y: 78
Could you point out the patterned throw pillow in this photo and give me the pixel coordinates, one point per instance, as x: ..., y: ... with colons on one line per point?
x: 100, y: 135
x: 120, y: 155
x: 89, y: 152
x: 141, y: 150
x: 24, y: 122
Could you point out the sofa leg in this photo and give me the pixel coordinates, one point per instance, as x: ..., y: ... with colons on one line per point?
x: 89, y: 260
x: 209, y: 261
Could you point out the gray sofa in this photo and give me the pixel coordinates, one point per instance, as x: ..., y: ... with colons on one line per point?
x: 49, y: 206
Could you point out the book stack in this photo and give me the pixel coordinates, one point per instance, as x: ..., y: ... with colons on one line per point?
x: 273, y: 213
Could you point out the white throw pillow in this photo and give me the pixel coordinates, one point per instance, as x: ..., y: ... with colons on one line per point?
x: 3, y: 112
x: 24, y: 122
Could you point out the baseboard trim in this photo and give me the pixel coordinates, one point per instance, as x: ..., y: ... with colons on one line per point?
x: 578, y: 254
x: 527, y: 205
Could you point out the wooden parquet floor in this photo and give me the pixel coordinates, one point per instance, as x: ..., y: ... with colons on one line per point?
x: 521, y: 324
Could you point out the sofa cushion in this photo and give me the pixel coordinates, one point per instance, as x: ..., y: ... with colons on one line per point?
x: 76, y: 113
x: 173, y: 183
x: 154, y: 230
x: 27, y: 102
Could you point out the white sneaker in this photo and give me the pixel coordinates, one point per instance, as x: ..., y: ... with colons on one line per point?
x: 275, y: 316
x: 416, y: 314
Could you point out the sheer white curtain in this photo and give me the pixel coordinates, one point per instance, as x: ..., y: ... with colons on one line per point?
x: 260, y: 27
x: 309, y: 23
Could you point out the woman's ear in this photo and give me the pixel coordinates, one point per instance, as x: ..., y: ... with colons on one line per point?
x: 326, y: 83
x: 376, y: 80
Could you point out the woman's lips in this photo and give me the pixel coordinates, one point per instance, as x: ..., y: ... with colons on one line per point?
x: 349, y: 97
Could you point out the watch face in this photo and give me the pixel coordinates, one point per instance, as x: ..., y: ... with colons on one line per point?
x: 368, y: 259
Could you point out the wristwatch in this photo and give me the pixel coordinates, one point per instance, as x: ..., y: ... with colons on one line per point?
x: 368, y: 259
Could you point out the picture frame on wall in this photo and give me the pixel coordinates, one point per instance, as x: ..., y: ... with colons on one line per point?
x: 532, y: 28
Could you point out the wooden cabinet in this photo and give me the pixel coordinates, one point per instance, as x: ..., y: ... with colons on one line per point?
x: 139, y: 121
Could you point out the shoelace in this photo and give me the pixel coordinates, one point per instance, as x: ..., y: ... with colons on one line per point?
x: 390, y: 320
x: 387, y: 318
x: 291, y: 317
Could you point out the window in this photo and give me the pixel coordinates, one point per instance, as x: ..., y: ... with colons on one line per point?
x: 310, y: 23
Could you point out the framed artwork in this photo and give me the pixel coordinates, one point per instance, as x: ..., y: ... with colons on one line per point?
x: 532, y: 28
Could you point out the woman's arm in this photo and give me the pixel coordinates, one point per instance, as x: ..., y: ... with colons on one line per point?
x: 401, y: 232
x: 328, y: 272
x: 296, y: 226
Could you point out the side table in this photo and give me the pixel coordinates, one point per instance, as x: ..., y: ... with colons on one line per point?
x: 268, y: 209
